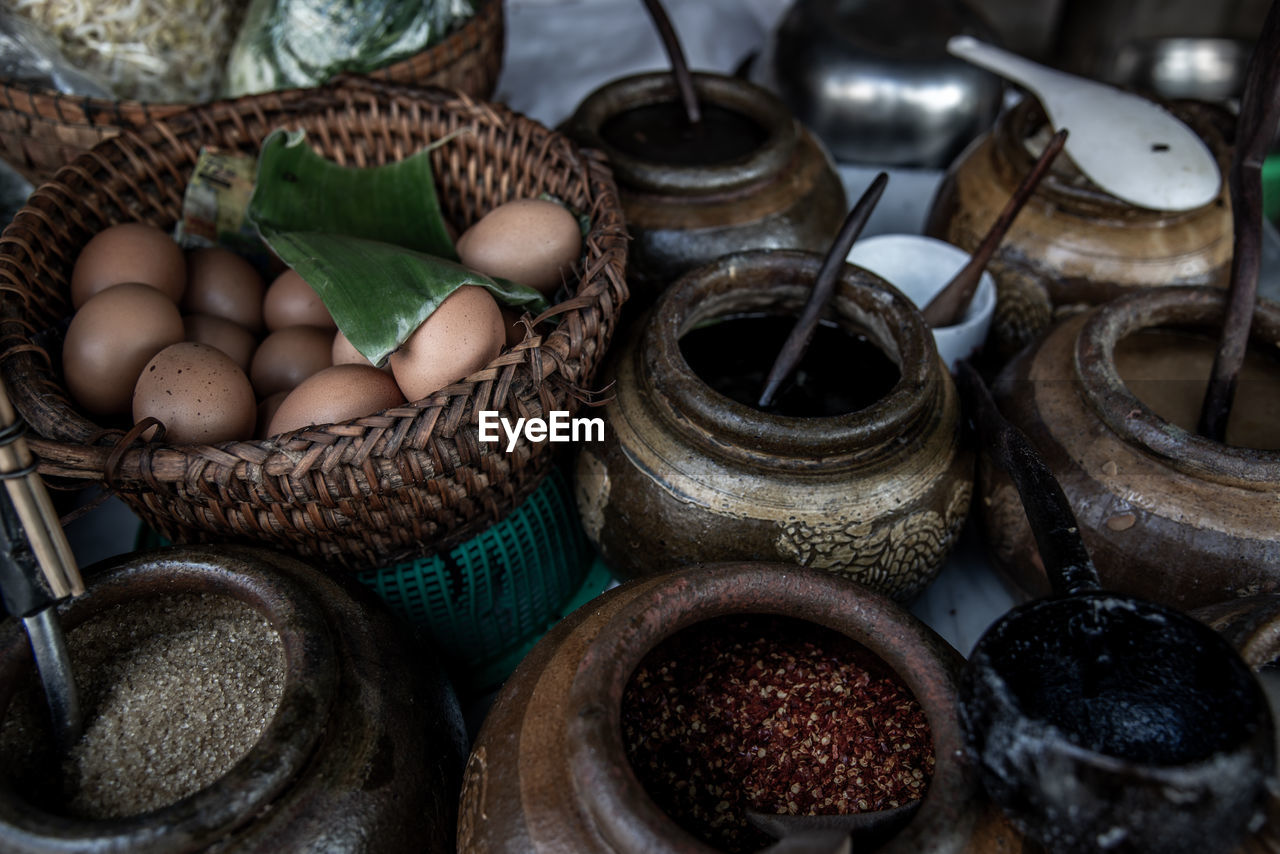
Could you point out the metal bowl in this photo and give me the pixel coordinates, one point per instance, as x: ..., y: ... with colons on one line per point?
x: 1209, y: 69
x: 873, y: 80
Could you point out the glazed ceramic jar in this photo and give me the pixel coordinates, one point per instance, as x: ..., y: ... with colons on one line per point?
x: 751, y: 178
x: 550, y: 770
x: 1073, y: 244
x: 1165, y: 513
x: 686, y: 474
x: 362, y: 752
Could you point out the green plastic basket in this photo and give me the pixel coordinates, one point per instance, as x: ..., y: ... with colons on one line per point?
x: 486, y: 602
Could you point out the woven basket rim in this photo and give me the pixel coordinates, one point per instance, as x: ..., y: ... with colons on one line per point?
x: 602, y: 289
x: 92, y: 109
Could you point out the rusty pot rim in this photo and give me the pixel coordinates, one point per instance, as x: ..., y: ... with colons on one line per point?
x: 1013, y: 126
x: 754, y: 280
x: 1130, y: 418
x: 285, y: 744
x: 615, y: 800
x: 730, y: 93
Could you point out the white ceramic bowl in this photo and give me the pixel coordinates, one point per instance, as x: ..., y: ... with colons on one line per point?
x: 920, y: 267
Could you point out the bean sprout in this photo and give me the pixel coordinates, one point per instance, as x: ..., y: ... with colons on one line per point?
x: 147, y: 50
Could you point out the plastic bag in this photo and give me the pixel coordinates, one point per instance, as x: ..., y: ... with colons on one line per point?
x: 29, y: 56
x: 169, y: 51
x: 297, y: 43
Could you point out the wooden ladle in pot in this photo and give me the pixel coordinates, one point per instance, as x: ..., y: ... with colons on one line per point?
x: 1101, y: 721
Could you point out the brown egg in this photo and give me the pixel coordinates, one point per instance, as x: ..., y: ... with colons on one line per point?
x: 288, y: 356
x: 290, y: 301
x: 529, y: 241
x: 231, y: 338
x: 460, y: 337
x: 345, y: 353
x: 198, y: 393
x: 339, y: 393
x: 267, y: 410
x: 222, y: 284
x: 113, y: 335
x: 129, y: 252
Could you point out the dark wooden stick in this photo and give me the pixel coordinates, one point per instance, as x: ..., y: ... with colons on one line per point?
x: 1255, y: 128
x: 950, y: 303
x: 797, y: 343
x: 679, y: 68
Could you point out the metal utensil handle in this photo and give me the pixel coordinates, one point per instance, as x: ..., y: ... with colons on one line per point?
x: 53, y: 663
x: 1065, y: 558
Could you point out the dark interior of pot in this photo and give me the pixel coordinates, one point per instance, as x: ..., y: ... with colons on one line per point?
x: 660, y: 132
x: 175, y: 691
x: 1123, y: 679
x: 775, y: 715
x: 843, y: 370
x: 1168, y: 369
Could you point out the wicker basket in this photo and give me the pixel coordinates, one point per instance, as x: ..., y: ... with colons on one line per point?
x: 358, y: 494
x: 41, y: 130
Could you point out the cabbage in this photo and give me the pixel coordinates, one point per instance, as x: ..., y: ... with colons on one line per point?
x: 297, y: 43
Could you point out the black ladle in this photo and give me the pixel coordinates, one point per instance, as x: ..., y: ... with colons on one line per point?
x: 1100, y: 721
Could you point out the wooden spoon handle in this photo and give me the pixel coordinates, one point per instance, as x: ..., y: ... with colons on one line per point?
x: 679, y: 67
x: 797, y: 343
x: 950, y: 303
x: 1256, y: 127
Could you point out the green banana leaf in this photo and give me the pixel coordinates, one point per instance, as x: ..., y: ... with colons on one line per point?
x: 372, y: 241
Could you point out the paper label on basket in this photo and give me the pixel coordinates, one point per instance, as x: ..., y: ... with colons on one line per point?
x: 215, y: 206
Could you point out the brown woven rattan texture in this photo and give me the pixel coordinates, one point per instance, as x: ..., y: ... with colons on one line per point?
x: 41, y: 130
x: 358, y: 494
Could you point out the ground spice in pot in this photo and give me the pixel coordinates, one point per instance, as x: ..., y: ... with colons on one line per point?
x: 772, y: 715
x: 175, y: 690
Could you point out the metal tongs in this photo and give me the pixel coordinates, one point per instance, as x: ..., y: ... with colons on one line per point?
x: 37, y: 570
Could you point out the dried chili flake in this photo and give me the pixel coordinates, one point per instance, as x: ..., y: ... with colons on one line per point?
x: 773, y: 715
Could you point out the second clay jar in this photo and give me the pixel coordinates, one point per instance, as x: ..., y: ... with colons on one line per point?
x: 860, y: 470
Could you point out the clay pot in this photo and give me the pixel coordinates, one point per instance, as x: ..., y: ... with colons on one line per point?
x: 784, y: 194
x: 362, y: 754
x: 549, y: 770
x: 1074, y: 245
x: 686, y: 475
x: 1166, y: 514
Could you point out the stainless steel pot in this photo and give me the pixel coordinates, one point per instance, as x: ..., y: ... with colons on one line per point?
x: 873, y: 80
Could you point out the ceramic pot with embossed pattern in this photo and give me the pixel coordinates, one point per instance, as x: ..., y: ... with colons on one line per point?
x: 876, y: 491
x: 1111, y: 399
x: 358, y: 748
x: 551, y: 767
x: 1074, y: 245
x: 748, y: 177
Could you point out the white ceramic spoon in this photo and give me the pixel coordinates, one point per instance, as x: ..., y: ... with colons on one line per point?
x: 1127, y: 145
